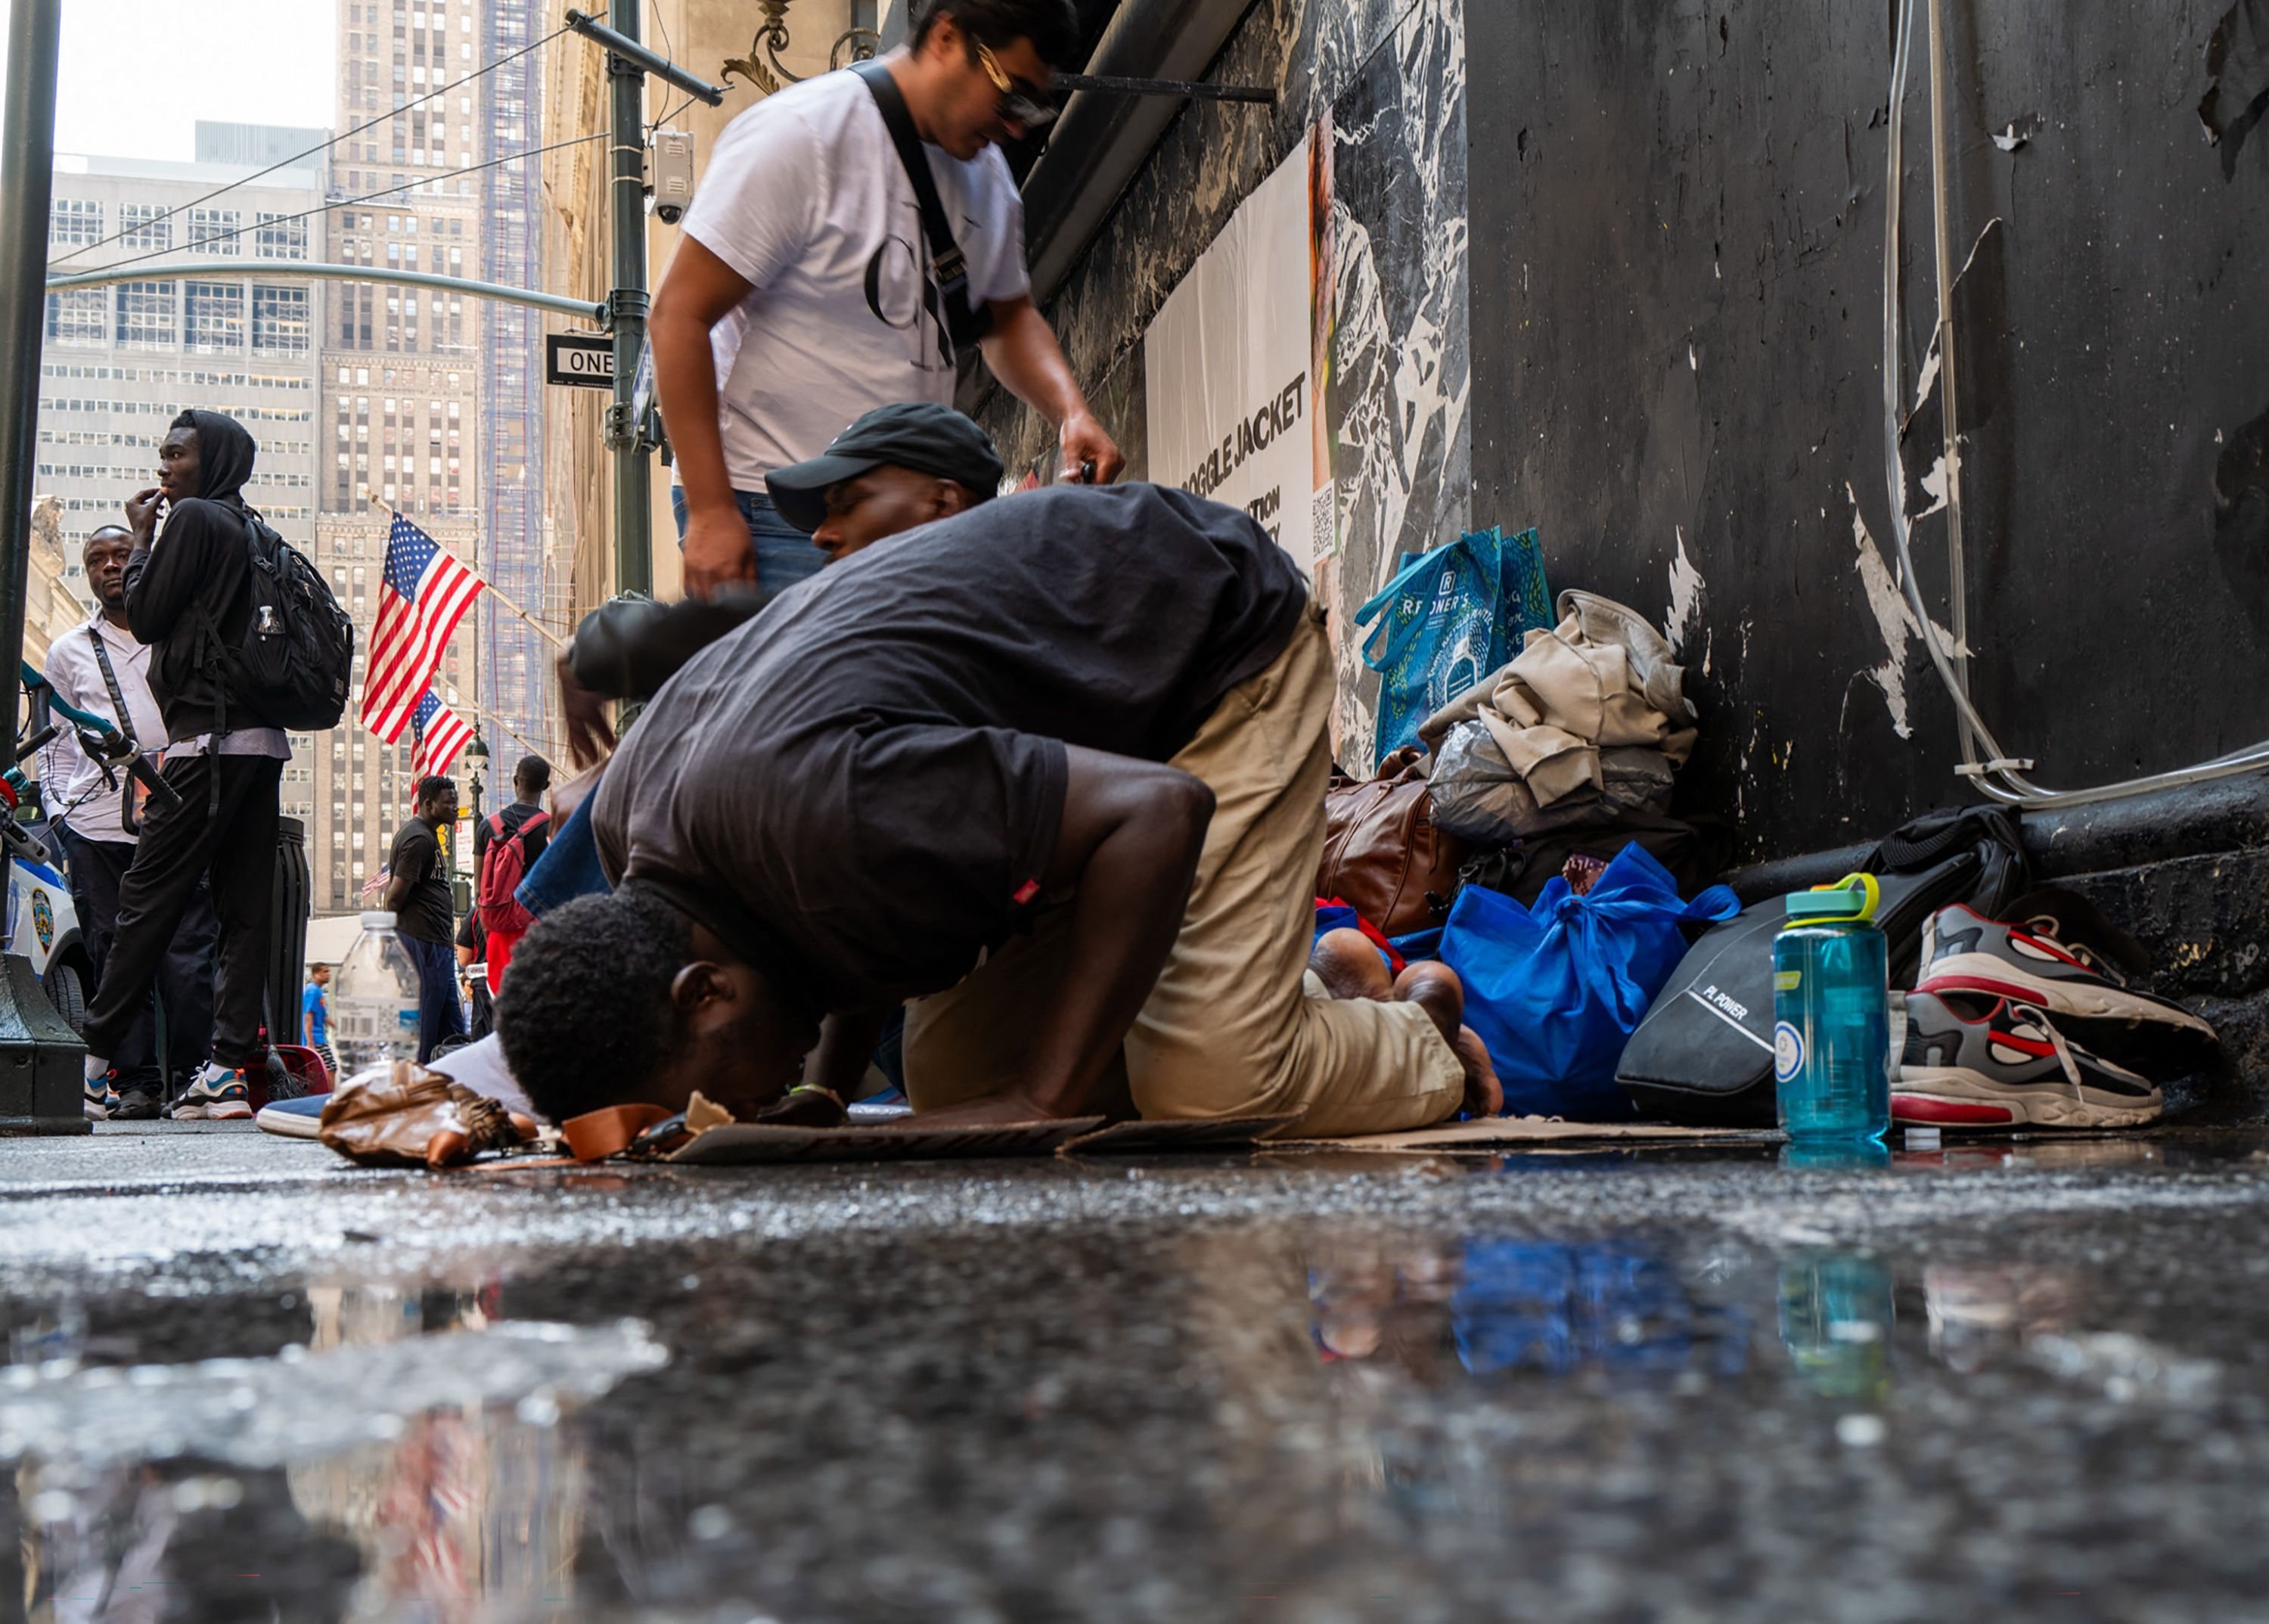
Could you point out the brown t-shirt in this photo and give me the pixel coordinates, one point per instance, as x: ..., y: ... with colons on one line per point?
x: 857, y: 788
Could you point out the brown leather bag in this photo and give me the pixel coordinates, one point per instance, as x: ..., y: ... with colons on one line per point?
x: 1383, y: 856
x: 416, y: 1119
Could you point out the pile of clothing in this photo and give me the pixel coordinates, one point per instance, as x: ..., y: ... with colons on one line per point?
x: 1527, y: 841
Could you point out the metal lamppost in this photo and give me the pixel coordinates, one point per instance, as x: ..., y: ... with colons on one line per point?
x: 40, y: 1055
x: 476, y: 753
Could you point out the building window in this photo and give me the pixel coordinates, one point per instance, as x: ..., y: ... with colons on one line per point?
x: 145, y: 226
x: 216, y: 229
x: 213, y: 322
x: 146, y: 315
x: 74, y: 222
x: 279, y: 321
x: 281, y: 237
x: 79, y: 318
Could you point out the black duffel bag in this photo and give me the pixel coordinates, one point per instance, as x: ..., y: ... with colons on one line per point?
x: 1703, y: 1055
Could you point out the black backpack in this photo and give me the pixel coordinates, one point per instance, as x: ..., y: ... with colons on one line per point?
x: 295, y: 663
x: 1703, y: 1055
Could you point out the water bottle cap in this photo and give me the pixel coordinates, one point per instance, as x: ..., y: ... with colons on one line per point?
x: 1854, y: 897
x: 377, y: 919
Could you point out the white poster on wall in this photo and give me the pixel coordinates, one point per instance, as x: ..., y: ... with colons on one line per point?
x: 1229, y: 384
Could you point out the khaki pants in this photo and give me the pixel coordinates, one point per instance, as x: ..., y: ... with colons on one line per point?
x: 1236, y: 1026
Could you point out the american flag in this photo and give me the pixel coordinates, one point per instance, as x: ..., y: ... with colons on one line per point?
x: 440, y: 733
x: 422, y: 594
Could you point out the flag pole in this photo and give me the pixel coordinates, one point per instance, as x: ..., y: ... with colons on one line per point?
x: 488, y: 586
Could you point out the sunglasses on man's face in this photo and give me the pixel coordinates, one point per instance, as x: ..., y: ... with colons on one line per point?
x: 1019, y: 103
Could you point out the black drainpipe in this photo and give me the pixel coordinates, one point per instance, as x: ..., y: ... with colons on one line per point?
x: 1100, y: 142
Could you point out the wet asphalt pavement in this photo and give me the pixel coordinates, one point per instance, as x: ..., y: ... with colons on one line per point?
x: 2019, y: 1381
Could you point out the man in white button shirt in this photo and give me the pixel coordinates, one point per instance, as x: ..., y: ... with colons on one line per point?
x: 806, y: 291
x: 100, y: 668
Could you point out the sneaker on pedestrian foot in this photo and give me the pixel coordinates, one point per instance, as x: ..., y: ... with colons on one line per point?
x: 2009, y: 1067
x: 217, y: 1094
x: 2056, y: 952
x: 135, y: 1105
x: 94, y: 1091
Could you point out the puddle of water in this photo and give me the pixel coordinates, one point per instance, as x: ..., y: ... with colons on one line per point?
x: 405, y: 1461
x: 1318, y: 1416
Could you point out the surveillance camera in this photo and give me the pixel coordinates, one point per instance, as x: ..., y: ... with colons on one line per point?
x: 670, y: 172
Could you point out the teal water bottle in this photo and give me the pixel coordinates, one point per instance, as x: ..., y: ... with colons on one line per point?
x: 1831, y: 1014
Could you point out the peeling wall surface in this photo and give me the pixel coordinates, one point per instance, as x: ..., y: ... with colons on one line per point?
x: 1676, y: 315
x: 1390, y: 77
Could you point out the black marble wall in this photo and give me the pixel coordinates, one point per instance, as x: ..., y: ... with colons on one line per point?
x: 1677, y: 328
x: 1389, y: 79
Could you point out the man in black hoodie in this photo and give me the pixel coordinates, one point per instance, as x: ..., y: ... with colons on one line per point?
x: 187, y: 595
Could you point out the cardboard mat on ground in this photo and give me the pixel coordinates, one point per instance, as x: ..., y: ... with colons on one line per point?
x: 746, y: 1143
x: 1495, y: 1134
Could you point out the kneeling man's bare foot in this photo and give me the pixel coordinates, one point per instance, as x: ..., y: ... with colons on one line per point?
x: 1349, y: 966
x: 1436, y: 989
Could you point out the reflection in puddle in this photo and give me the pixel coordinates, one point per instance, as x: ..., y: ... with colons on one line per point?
x: 1835, y: 1315
x: 1500, y: 1307
x: 1338, y: 1418
x: 403, y: 1461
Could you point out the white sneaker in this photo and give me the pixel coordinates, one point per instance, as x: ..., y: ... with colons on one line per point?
x: 216, y: 1094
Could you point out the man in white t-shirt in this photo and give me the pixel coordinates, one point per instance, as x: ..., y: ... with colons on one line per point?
x: 804, y: 292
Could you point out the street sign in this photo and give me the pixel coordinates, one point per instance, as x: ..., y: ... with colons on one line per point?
x: 580, y: 360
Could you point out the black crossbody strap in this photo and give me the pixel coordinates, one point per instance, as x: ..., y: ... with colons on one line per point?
x: 963, y: 319
x: 110, y: 681
x: 944, y: 251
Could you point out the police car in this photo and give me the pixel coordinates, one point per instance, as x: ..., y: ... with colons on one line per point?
x: 43, y: 926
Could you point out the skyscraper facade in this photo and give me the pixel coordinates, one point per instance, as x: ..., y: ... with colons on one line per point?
x: 515, y: 664
x: 400, y: 416
x: 118, y: 363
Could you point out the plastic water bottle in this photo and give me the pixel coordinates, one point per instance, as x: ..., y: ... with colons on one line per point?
x: 375, y: 999
x: 1831, y: 1016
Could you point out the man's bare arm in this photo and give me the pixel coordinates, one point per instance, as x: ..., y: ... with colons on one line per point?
x: 1129, y: 843
x: 1023, y: 352
x: 699, y: 290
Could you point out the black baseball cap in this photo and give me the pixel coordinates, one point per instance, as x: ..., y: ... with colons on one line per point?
x: 928, y: 438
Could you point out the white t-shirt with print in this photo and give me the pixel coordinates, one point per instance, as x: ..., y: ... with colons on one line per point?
x: 805, y: 198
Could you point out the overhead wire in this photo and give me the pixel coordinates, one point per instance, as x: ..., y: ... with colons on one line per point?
x: 350, y: 202
x: 1999, y: 775
x: 325, y: 147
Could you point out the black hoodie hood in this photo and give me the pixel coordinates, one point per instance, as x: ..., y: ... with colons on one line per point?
x: 193, y: 579
x: 226, y: 451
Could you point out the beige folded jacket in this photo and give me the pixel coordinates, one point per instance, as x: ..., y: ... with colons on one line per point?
x: 1603, y: 678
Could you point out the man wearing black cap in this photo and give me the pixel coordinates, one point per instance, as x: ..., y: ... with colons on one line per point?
x: 896, y: 468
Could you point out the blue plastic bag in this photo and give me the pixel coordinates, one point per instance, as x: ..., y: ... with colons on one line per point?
x: 1451, y: 617
x: 1555, y: 991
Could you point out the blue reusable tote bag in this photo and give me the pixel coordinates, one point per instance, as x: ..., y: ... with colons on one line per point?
x: 1555, y: 992
x: 1446, y: 620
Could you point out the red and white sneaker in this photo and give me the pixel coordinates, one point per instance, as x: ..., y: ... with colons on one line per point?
x: 2059, y: 954
x: 2009, y: 1068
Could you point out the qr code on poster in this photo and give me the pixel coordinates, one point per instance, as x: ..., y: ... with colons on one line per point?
x: 1322, y: 516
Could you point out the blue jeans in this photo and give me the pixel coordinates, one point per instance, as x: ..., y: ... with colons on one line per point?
x: 569, y: 866
x: 784, y: 555
x: 439, y: 1014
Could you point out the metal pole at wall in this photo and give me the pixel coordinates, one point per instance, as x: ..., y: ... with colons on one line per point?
x: 27, y: 145
x: 633, y: 497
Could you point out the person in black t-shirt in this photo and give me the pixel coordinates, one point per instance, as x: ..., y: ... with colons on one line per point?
x: 1053, y: 769
x: 418, y: 896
